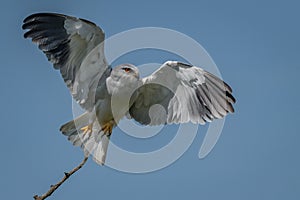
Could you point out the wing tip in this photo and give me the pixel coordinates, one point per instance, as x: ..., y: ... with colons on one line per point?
x: 35, y: 16
x: 230, y: 97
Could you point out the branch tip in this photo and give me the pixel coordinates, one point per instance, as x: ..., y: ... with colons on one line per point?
x: 56, y: 186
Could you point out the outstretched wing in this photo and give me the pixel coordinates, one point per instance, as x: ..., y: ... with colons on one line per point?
x: 75, y: 47
x: 180, y: 93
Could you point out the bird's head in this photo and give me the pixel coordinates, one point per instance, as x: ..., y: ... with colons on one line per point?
x: 124, y: 80
x: 127, y: 72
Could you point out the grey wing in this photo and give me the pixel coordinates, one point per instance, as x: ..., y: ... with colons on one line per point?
x: 180, y: 93
x: 75, y: 47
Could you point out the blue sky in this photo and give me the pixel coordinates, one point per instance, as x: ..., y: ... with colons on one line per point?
x: 255, y: 44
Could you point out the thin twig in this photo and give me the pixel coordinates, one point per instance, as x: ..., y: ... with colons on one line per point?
x: 54, y: 187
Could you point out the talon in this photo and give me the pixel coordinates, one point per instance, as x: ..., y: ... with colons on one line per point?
x: 107, y: 128
x: 87, y: 129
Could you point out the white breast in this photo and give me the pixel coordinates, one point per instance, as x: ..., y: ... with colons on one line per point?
x: 121, y: 91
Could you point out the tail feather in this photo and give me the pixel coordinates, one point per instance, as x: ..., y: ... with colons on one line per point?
x: 71, y: 127
x: 95, y: 143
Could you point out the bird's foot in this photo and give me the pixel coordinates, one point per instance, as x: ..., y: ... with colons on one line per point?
x: 87, y: 129
x: 107, y: 128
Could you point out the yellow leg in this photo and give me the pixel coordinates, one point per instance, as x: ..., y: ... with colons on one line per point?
x: 107, y: 128
x: 87, y: 129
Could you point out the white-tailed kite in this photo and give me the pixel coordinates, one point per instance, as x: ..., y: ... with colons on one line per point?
x: 75, y: 46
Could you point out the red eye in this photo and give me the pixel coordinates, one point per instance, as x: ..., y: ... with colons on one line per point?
x: 126, y: 69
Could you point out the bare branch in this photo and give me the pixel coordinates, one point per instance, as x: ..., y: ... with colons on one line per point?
x: 54, y: 187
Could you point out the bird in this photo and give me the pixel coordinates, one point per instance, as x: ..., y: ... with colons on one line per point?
x: 175, y: 93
